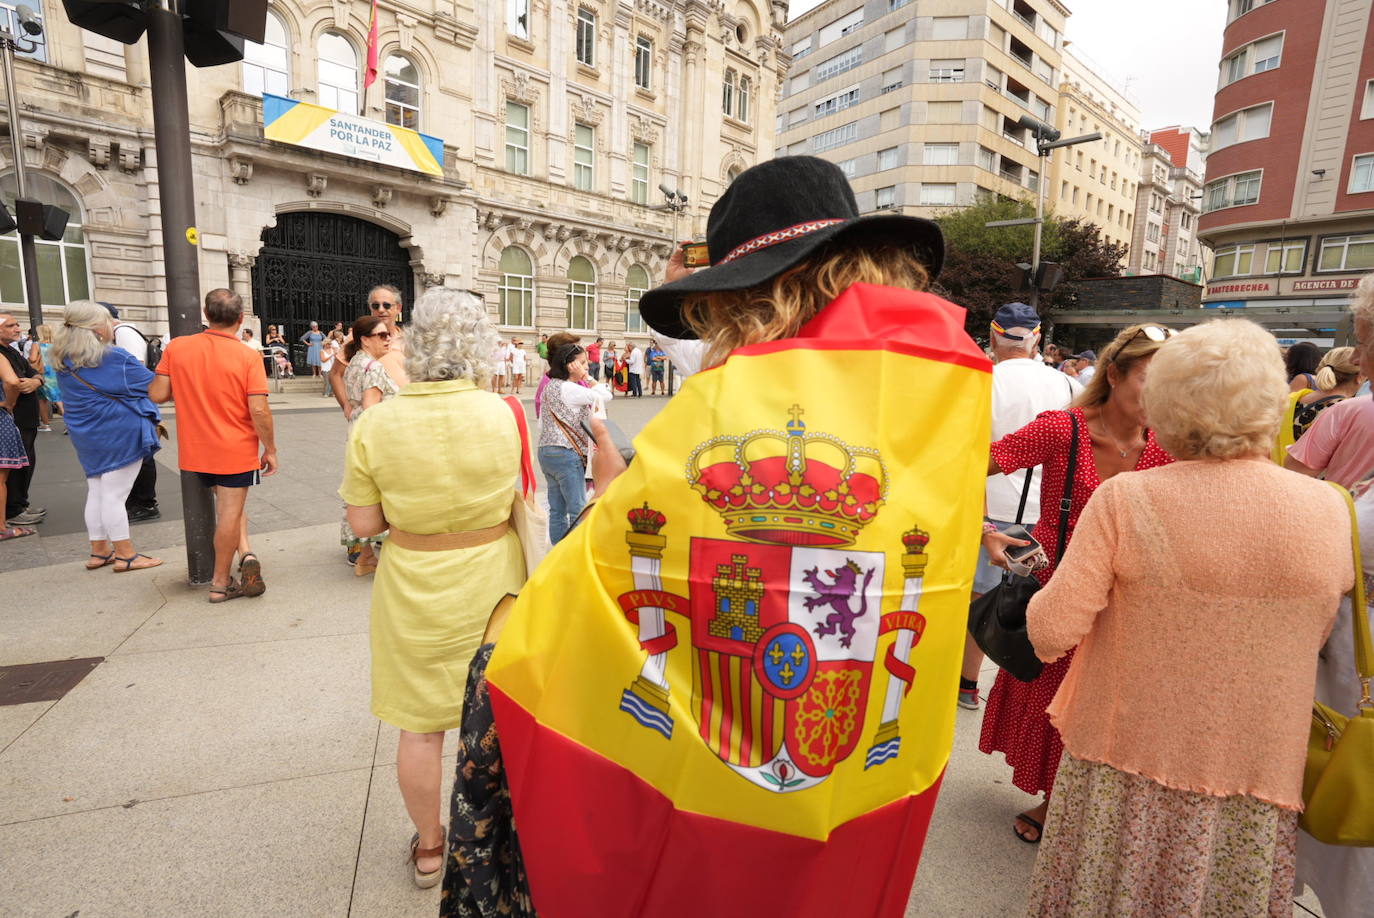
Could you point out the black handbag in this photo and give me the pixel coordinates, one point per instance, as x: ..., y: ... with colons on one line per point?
x: 997, y: 619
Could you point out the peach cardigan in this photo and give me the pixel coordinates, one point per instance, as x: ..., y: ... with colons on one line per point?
x: 1198, y: 595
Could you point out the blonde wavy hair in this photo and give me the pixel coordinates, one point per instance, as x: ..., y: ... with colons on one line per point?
x: 1126, y: 351
x: 777, y: 308
x: 449, y: 337
x: 1217, y: 391
x: 78, y: 340
x: 1337, y: 368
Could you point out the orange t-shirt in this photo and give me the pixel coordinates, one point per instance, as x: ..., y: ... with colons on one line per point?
x: 212, y: 375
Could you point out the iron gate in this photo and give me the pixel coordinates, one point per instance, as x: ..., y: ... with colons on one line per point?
x: 320, y: 267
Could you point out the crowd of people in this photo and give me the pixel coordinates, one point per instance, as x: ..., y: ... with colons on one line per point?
x: 1190, y: 596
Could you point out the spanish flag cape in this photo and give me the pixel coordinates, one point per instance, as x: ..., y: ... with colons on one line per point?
x: 731, y: 690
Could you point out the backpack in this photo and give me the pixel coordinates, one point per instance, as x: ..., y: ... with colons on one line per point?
x: 153, y: 346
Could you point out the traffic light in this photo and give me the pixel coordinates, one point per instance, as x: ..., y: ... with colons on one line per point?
x: 45, y: 221
x: 1049, y: 276
x: 121, y: 20
x: 214, y: 30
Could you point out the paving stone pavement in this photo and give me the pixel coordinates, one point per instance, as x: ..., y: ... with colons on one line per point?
x: 223, y: 762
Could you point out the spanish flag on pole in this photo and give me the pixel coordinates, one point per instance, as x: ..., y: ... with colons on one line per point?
x: 731, y: 690
x: 370, y: 76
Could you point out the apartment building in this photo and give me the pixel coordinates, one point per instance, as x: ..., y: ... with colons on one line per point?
x: 918, y: 103
x: 510, y: 148
x: 1167, y: 206
x: 1288, y: 204
x: 1096, y: 181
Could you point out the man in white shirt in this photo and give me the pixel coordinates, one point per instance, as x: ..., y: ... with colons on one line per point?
x: 1022, y: 387
x: 634, y: 364
x: 141, y: 504
x: 1087, y: 366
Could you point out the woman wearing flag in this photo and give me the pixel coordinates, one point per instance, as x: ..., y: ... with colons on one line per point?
x: 705, y: 642
x: 1113, y: 437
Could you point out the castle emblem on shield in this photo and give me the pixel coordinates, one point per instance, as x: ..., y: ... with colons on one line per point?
x: 785, y: 616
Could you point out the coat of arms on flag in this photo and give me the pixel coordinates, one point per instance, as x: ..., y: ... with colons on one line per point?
x: 784, y: 618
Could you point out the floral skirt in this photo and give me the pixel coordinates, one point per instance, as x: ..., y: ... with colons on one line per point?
x: 1015, y: 723
x: 12, y: 452
x: 1124, y: 846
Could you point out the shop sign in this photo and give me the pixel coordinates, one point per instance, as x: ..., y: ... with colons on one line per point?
x: 1251, y: 286
x: 1331, y: 283
x: 318, y: 128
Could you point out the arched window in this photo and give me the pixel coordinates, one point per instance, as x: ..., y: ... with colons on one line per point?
x: 338, y: 69
x: 63, y: 267
x: 733, y: 173
x: 581, y: 294
x: 267, y: 67
x: 727, y: 93
x: 402, y: 92
x: 637, y: 284
x: 517, y: 288
x: 742, y: 103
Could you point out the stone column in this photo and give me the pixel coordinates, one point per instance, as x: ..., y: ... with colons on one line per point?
x: 241, y: 278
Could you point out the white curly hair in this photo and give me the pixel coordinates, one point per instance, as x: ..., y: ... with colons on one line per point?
x: 1362, y: 303
x: 449, y: 337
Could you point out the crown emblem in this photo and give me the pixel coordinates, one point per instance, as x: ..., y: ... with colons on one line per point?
x: 645, y: 520
x: 915, y: 540
x: 790, y: 487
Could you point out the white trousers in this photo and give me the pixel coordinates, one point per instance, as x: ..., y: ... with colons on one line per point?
x: 106, y: 517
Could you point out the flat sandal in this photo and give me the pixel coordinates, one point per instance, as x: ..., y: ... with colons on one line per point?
x: 432, y: 878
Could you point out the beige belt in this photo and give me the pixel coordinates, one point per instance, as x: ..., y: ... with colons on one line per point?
x: 446, y: 541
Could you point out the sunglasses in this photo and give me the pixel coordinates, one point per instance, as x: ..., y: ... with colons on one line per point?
x: 382, y: 305
x: 385, y: 335
x: 1155, y: 333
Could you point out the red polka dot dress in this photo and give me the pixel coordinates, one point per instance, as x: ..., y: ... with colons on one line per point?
x: 1015, y: 722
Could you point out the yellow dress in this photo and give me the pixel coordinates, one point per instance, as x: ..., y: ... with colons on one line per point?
x: 439, y: 457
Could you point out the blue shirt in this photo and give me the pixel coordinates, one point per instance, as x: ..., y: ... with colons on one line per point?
x: 110, y: 433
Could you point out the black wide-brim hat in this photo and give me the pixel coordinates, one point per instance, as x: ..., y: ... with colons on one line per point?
x: 772, y: 217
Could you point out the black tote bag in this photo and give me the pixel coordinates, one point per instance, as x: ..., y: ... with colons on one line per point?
x: 997, y: 619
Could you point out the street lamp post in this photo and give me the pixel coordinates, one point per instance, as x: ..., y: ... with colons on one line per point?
x: 1046, y: 140
x: 677, y: 203
x: 9, y: 43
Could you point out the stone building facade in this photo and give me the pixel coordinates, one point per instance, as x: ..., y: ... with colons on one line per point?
x: 557, y: 121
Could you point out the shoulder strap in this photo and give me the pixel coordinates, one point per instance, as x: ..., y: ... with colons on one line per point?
x: 1025, y: 493
x: 527, y: 485
x: 567, y: 432
x: 117, y: 401
x: 1359, y: 614
x: 1066, y: 502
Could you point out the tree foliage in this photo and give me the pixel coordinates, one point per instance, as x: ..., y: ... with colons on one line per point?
x: 980, y: 270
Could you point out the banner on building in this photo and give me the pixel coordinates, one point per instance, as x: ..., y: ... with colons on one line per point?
x: 318, y: 128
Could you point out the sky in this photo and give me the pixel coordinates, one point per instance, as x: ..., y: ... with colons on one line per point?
x: 1164, y: 53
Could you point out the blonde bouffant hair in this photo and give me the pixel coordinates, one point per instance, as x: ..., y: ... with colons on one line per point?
x: 1217, y: 391
x: 777, y: 308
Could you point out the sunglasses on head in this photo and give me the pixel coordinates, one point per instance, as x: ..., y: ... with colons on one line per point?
x: 1155, y: 333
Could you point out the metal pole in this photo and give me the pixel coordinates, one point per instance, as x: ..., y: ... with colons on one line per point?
x: 28, y: 251
x: 1039, y: 223
x: 172, y: 139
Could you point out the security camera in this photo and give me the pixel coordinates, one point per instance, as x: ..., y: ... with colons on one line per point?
x: 665, y: 189
x: 28, y: 20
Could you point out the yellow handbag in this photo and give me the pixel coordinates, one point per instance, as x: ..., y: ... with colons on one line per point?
x: 1338, y: 783
x: 1279, y: 451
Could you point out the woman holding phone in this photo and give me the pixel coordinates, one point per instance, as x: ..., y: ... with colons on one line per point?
x: 564, y: 447
x: 1112, y: 438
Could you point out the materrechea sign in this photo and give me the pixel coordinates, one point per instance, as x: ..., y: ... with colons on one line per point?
x: 318, y: 128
